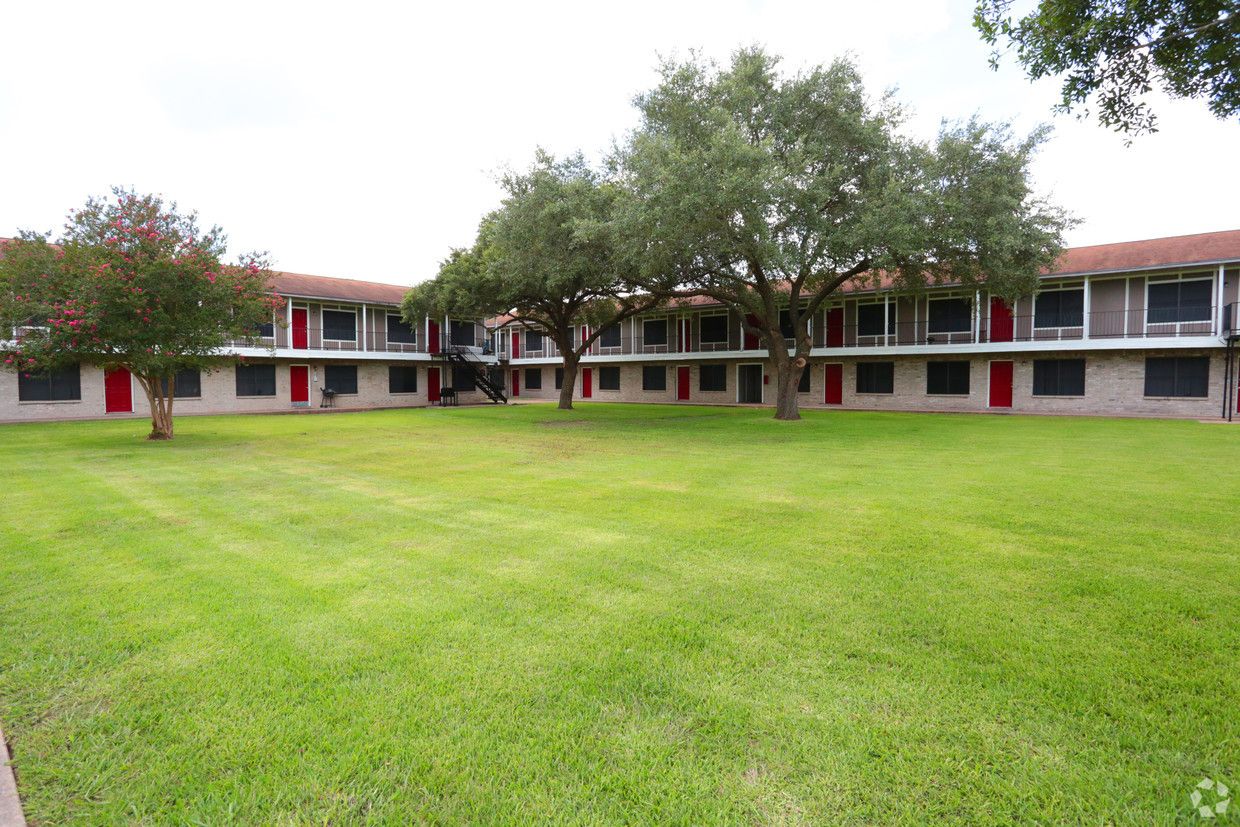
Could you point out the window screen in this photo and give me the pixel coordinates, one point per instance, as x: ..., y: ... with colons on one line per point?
x: 803, y: 383
x: 654, y: 331
x: 402, y: 379
x: 340, y: 325
x: 609, y: 379
x: 713, y: 378
x: 714, y: 329
x: 340, y: 378
x: 533, y: 379
x: 870, y: 319
x: 559, y: 378
x: 1059, y: 377
x: 610, y: 337
x: 400, y: 331
x: 463, y: 380
x: 950, y: 316
x: 256, y: 380
x: 1059, y: 308
x: 947, y: 378
x: 1177, y: 376
x: 64, y: 385
x: 533, y: 340
x: 188, y: 384
x: 461, y: 333
x: 654, y: 378
x: 876, y: 377
x: 1179, y: 301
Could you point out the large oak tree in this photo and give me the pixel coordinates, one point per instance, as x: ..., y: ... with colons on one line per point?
x: 550, y: 259
x: 133, y: 284
x: 1113, y: 52
x: 768, y: 192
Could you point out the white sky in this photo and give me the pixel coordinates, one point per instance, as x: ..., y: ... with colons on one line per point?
x: 361, y: 140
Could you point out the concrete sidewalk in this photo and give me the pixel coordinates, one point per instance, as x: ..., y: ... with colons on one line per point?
x: 10, y: 804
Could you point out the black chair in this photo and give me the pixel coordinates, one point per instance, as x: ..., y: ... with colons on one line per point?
x: 447, y: 396
x: 329, y: 398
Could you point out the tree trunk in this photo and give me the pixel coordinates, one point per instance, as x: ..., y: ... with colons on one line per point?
x: 788, y: 370
x: 161, y: 405
x: 569, y: 383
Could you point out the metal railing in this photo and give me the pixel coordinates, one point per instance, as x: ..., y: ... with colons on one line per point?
x: 313, y: 338
x: 1142, y: 323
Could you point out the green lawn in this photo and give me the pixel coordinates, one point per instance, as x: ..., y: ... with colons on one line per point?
x: 620, y: 614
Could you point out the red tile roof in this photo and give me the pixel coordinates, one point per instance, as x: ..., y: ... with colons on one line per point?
x: 1201, y: 248
x: 325, y: 287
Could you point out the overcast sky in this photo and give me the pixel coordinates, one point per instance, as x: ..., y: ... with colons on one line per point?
x: 362, y: 140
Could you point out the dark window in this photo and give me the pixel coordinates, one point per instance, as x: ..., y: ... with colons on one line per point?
x: 496, y: 376
x: 533, y: 340
x: 402, y: 379
x: 461, y: 333
x: 340, y: 378
x: 1177, y: 376
x: 654, y: 378
x: 60, y: 386
x: 870, y: 319
x: 714, y: 329
x: 1058, y: 377
x: 950, y: 316
x: 1059, y: 308
x: 947, y: 378
x: 609, y: 379
x: 1179, y: 301
x: 400, y: 332
x: 610, y: 337
x: 266, y: 329
x: 559, y: 378
x: 188, y: 385
x: 256, y: 380
x: 654, y: 331
x: 463, y: 380
x: 340, y: 325
x: 876, y: 377
x: 713, y: 377
x: 533, y: 379
x: 803, y: 384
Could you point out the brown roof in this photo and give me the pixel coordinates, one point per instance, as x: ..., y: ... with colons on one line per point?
x: 1201, y: 248
x: 325, y: 287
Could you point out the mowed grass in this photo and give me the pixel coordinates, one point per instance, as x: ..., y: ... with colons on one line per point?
x: 620, y: 615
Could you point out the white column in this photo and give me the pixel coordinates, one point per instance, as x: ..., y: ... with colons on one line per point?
x: 977, y: 317
x: 363, y: 328
x: 1218, y: 311
x: 1089, y: 309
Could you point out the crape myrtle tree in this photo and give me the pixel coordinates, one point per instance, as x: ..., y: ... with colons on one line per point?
x: 769, y: 192
x: 550, y: 258
x: 133, y: 284
x: 1113, y: 52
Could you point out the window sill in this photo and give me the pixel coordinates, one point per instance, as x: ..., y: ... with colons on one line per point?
x: 402, y: 393
x: 1057, y: 395
x: 1175, y: 398
x: 49, y: 401
x: 875, y: 393
x: 950, y: 395
x: 256, y: 395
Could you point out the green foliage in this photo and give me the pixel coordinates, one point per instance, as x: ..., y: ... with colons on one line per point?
x: 1116, y: 51
x: 132, y: 283
x: 552, y: 256
x: 766, y: 191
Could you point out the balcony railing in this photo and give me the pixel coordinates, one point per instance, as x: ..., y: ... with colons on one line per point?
x: 1102, y: 324
x: 374, y: 341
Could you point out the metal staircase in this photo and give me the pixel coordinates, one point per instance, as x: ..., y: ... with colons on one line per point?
x: 464, y: 357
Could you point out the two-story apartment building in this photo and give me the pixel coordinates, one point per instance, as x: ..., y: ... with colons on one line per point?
x: 337, y: 335
x: 1135, y: 328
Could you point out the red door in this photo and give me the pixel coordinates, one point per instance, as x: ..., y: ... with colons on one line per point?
x: 835, y: 327
x: 301, y: 338
x: 1000, y: 320
x: 432, y: 383
x: 432, y: 346
x: 835, y: 384
x: 117, y: 391
x: 516, y: 344
x: 299, y: 384
x: 751, y: 339
x: 1001, y: 384
x: 516, y: 382
x: 587, y: 383
x: 682, y: 383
